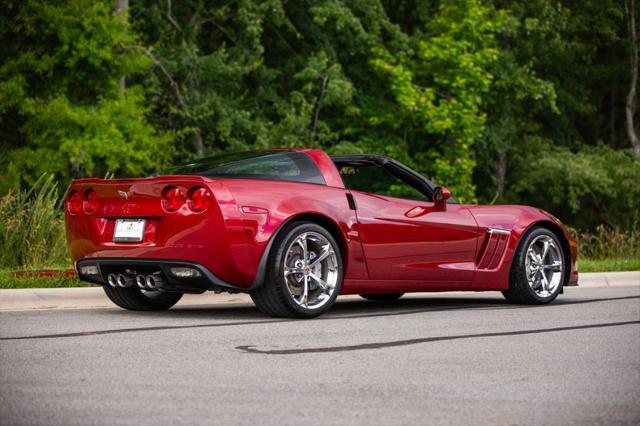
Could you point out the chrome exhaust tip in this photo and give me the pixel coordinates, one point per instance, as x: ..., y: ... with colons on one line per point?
x: 154, y: 281
x: 141, y: 282
x: 124, y: 280
x: 112, y: 280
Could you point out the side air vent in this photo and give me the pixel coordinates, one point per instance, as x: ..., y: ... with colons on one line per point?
x: 493, y: 248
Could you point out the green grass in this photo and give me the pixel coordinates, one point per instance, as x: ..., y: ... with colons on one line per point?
x: 9, y: 280
x: 608, y: 265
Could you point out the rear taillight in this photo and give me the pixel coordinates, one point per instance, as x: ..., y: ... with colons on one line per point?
x: 74, y: 202
x: 173, y: 198
x: 199, y: 199
x: 90, y: 201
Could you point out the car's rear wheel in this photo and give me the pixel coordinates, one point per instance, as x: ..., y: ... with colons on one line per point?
x: 385, y: 297
x: 538, y: 269
x: 135, y: 299
x: 304, y: 273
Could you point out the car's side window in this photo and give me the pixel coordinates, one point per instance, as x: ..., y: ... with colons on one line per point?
x: 377, y: 180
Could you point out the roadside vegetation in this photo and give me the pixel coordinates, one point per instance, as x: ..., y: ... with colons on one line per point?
x: 502, y: 101
x: 608, y: 249
x: 32, y: 239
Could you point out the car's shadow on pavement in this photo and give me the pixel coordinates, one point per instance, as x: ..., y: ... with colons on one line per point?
x: 342, y: 309
x: 360, y: 308
x: 230, y: 316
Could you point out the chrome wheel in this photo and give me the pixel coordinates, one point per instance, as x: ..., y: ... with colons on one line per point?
x: 311, y: 270
x: 543, y: 265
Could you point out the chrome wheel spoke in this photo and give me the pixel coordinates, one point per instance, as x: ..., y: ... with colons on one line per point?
x: 325, y: 285
x: 304, y: 299
x: 556, y: 266
x: 302, y: 242
x: 545, y: 250
x: 544, y: 281
x: 288, y: 271
x: 326, y: 252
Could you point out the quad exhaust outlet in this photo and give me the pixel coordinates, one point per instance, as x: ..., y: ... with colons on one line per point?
x: 144, y: 282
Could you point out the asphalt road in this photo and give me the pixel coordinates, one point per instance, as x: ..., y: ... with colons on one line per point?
x: 430, y: 359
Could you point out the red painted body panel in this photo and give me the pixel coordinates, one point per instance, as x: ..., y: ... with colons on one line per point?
x: 412, y: 240
x: 389, y: 244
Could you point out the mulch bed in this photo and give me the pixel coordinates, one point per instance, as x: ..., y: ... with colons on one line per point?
x: 46, y: 273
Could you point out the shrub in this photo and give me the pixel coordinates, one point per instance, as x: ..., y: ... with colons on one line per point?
x: 594, y: 186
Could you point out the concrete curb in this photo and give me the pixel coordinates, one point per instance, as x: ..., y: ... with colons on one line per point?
x: 609, y: 279
x: 94, y: 297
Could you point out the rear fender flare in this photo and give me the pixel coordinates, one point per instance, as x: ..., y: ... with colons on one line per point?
x: 262, y: 265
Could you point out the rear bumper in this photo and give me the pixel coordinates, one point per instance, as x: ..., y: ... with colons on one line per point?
x: 133, y: 267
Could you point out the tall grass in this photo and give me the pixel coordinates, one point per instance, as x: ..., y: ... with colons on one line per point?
x: 32, y: 231
x: 609, y: 243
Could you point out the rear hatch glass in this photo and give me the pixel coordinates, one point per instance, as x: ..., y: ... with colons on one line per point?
x: 271, y: 165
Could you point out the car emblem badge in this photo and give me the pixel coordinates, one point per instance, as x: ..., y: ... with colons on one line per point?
x: 123, y: 194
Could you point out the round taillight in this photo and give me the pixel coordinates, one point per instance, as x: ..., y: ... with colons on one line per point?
x: 200, y: 199
x: 173, y: 198
x: 90, y: 201
x: 74, y: 202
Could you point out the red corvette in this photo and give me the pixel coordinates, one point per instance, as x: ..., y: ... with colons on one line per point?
x: 296, y: 228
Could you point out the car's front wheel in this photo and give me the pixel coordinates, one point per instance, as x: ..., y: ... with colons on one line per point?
x: 135, y: 299
x: 304, y: 273
x: 538, y: 269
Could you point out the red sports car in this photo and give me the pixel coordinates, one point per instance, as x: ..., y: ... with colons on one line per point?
x: 296, y: 228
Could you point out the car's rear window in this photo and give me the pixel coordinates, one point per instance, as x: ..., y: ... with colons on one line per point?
x: 272, y: 165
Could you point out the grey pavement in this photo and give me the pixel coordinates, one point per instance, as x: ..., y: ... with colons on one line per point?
x: 426, y: 359
x: 94, y: 297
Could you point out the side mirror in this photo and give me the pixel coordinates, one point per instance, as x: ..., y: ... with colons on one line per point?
x: 440, y: 196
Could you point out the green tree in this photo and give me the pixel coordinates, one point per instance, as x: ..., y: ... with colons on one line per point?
x: 439, y: 82
x: 60, y: 107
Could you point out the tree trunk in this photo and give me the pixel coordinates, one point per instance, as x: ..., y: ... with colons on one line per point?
x: 316, y: 115
x: 121, y: 9
x: 501, y: 172
x: 612, y: 118
x: 630, y: 106
x: 197, y: 142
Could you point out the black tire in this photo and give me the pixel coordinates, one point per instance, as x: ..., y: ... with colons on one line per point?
x: 385, y: 297
x: 133, y: 299
x: 520, y: 292
x: 273, y: 297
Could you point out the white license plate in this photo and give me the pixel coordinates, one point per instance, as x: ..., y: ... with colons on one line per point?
x: 129, y: 230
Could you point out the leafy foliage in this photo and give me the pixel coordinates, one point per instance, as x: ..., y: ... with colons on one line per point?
x: 501, y: 101
x: 598, y: 180
x: 439, y: 81
x: 61, y: 109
